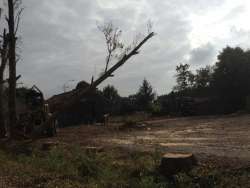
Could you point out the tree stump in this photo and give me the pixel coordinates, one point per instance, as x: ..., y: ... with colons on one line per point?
x: 173, y: 163
x: 93, y: 149
x: 46, y: 146
x: 106, y: 120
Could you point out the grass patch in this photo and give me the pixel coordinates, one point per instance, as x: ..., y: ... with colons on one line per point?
x: 73, y: 167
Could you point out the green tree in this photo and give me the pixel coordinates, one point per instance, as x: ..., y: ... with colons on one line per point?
x: 231, y: 78
x: 203, y: 77
x: 145, y: 96
x: 184, y: 78
x: 110, y: 93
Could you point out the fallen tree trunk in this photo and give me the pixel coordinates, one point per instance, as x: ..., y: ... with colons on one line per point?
x: 77, y: 95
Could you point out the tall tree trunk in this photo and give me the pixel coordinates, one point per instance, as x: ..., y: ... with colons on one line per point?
x: 2, y: 119
x: 4, y: 58
x: 12, y: 68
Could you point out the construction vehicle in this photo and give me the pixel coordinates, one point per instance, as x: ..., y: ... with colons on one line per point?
x: 33, y: 112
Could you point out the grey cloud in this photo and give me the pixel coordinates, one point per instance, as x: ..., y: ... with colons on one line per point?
x: 239, y: 37
x: 57, y: 42
x: 203, y: 55
x: 52, y: 48
x: 61, y: 41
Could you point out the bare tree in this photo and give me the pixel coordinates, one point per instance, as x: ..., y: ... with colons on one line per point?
x: 12, y: 67
x: 112, y: 36
x: 3, y: 63
x: 13, y: 20
x: 4, y: 59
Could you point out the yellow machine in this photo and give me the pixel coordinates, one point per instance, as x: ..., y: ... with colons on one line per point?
x: 34, y: 114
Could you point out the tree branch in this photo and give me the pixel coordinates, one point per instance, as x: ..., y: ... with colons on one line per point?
x: 17, y: 20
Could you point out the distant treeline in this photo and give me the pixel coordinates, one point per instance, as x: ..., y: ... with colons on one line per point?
x: 219, y: 89
x: 141, y: 101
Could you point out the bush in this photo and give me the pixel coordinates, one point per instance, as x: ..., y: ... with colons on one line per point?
x: 155, y: 109
x: 89, y: 167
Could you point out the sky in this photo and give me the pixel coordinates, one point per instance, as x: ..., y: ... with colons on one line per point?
x: 61, y: 45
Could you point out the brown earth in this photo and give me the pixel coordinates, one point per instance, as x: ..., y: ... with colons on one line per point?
x: 222, y: 140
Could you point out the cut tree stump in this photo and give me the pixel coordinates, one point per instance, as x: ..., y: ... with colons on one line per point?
x: 173, y: 163
x: 49, y: 145
x: 93, y: 149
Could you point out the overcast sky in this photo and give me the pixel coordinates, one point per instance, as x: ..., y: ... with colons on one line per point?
x: 61, y: 42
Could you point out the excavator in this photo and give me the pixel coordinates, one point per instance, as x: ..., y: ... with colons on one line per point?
x: 33, y: 112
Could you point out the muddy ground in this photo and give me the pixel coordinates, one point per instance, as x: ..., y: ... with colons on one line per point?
x: 224, y: 140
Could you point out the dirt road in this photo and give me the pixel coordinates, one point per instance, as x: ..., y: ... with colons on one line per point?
x: 226, y: 137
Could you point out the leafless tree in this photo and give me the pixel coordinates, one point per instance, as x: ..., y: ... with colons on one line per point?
x: 13, y: 20
x: 3, y: 63
x: 4, y: 59
x: 112, y: 36
x: 115, y: 47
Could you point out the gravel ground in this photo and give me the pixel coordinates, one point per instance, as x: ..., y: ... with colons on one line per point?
x: 222, y: 139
